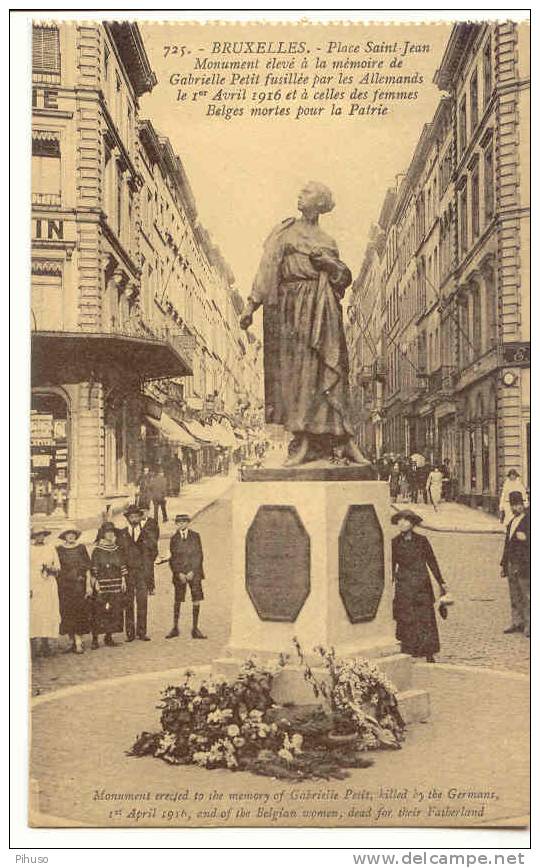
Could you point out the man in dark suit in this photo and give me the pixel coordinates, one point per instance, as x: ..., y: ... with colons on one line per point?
x: 157, y: 492
x: 186, y: 562
x: 140, y: 543
x: 516, y: 565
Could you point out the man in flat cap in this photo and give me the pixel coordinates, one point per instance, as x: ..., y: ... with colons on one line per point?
x: 140, y: 543
x: 516, y: 565
x: 186, y: 562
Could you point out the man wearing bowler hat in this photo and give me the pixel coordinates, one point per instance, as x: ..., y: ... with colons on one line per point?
x: 516, y: 565
x: 140, y: 543
x: 186, y: 562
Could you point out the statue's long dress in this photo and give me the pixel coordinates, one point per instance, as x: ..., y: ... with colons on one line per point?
x: 305, y: 353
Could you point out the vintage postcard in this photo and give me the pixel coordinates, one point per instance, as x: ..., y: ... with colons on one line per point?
x: 280, y: 423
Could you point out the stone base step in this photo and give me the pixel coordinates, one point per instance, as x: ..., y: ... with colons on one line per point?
x: 414, y: 705
x: 291, y: 686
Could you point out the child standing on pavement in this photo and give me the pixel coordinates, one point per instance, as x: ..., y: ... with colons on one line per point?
x: 186, y: 562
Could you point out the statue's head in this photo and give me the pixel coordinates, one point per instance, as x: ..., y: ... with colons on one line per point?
x: 315, y: 198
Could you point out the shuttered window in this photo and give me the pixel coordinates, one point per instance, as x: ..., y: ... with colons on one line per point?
x: 46, y: 49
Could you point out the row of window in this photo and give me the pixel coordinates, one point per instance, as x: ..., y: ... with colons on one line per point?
x: 476, y: 198
x: 468, y: 109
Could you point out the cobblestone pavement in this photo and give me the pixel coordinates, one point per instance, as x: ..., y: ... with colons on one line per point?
x: 471, y: 635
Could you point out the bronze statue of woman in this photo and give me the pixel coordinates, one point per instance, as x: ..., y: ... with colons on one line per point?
x: 300, y: 283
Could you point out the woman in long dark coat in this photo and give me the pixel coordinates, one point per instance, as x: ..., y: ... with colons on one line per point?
x: 109, y: 576
x: 414, y: 601
x: 73, y: 588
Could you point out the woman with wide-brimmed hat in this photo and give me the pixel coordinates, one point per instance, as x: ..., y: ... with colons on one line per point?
x: 44, y: 612
x: 413, y: 560
x: 108, y: 565
x: 73, y: 587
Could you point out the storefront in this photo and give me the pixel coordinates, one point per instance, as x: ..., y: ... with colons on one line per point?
x: 477, y: 425
x: 170, y: 446
x: 87, y: 436
x: 49, y: 453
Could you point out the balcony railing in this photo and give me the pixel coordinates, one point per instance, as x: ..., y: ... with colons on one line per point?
x: 442, y: 380
x: 136, y: 327
x: 45, y: 76
x: 54, y: 199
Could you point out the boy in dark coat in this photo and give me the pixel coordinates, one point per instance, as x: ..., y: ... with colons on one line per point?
x: 516, y: 565
x: 186, y: 562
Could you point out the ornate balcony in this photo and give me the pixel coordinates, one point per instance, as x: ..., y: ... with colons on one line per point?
x: 441, y: 381
x: 132, y: 348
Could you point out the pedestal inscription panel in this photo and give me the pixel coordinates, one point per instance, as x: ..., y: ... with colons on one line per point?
x: 277, y: 563
x: 361, y: 563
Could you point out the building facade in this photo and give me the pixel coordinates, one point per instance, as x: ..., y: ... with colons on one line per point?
x: 485, y: 69
x: 456, y: 285
x: 128, y: 310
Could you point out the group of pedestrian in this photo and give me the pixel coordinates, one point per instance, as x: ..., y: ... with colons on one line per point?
x: 152, y: 489
x: 106, y: 593
x: 411, y: 480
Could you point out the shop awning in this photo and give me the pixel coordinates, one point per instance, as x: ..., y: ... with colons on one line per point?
x: 173, y: 432
x: 71, y: 356
x: 200, y: 432
x: 223, y: 436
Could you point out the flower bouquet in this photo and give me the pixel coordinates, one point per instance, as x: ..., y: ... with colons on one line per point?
x: 236, y: 725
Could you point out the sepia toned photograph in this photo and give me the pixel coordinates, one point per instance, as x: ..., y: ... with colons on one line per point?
x: 280, y: 446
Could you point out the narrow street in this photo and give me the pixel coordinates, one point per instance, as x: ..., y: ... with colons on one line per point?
x: 472, y: 634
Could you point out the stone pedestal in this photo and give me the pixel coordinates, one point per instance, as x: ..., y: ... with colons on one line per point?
x: 312, y: 560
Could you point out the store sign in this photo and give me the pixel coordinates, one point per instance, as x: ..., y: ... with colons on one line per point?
x: 41, y: 427
x: 517, y: 353
x: 60, y: 429
x: 45, y: 98
x: 41, y: 460
x: 43, y: 228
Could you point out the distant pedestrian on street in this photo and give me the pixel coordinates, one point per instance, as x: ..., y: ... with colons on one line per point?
x: 73, y: 588
x: 447, y: 480
x: 157, y: 490
x: 513, y: 482
x: 394, y: 480
x: 109, y: 572
x: 413, y: 482
x: 404, y: 490
x: 44, y: 613
x: 412, y: 561
x: 516, y: 565
x: 139, y: 542
x: 434, y: 487
x: 186, y: 562
x: 143, y: 496
x: 422, y: 474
